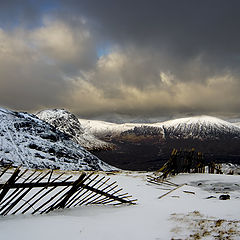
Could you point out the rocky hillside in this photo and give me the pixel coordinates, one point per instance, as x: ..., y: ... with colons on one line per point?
x: 68, y: 123
x: 26, y: 140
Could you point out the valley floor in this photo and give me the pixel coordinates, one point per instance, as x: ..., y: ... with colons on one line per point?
x: 185, y: 213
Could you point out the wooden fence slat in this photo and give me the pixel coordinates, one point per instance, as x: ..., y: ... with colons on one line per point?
x: 95, y: 194
x: 112, y: 198
x: 85, y: 190
x: 5, y: 187
x: 76, y: 196
x: 104, y: 197
x: 44, y: 204
x: 42, y: 196
x: 95, y: 184
x: 23, y: 194
x: 6, y: 168
x: 84, y: 198
x: 76, y: 185
x: 37, y: 193
x: 110, y: 185
x: 14, y: 194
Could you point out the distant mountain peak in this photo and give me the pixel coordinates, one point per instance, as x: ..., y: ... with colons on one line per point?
x: 200, y: 127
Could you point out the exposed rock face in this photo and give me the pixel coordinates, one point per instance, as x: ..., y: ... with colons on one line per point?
x: 26, y: 140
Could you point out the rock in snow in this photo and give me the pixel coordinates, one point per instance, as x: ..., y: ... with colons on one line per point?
x: 26, y: 140
x: 68, y: 123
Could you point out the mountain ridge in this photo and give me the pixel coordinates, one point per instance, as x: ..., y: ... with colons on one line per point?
x: 192, y: 126
x: 68, y: 123
x: 148, y: 146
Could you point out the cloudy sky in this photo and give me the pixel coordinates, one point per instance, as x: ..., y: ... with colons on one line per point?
x: 131, y: 57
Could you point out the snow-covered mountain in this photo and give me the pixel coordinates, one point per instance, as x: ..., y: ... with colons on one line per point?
x: 102, y: 128
x: 237, y: 124
x: 26, y: 140
x: 200, y: 127
x: 148, y: 146
x: 68, y: 123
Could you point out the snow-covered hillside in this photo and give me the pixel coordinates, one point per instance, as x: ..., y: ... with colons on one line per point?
x: 201, y: 127
x: 237, y: 124
x: 28, y: 141
x: 100, y: 128
x: 68, y: 123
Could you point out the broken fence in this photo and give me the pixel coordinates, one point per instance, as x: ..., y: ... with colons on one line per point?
x: 33, y: 191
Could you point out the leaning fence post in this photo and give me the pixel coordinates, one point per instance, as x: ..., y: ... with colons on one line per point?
x: 74, y: 188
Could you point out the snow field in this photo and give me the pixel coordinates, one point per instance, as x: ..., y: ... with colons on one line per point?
x: 177, y: 215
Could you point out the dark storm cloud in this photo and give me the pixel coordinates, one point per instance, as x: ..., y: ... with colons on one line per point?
x: 186, y: 26
x: 15, y: 12
x: 158, y: 57
x: 180, y: 32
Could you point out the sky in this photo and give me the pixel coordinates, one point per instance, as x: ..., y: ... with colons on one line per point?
x: 133, y: 58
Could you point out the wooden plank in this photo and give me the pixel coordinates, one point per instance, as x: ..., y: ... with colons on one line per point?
x: 170, y: 191
x: 49, y: 178
x: 41, y: 184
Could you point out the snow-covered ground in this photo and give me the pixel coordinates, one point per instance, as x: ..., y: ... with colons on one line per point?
x: 186, y: 213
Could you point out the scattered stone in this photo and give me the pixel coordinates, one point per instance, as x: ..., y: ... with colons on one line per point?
x: 189, y: 192
x: 224, y: 197
x: 210, y: 197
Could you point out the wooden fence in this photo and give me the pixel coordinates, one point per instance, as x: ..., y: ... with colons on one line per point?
x: 33, y: 191
x: 186, y: 161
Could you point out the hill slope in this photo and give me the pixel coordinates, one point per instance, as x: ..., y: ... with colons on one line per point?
x: 28, y: 141
x: 148, y: 146
x: 201, y: 127
x: 68, y: 123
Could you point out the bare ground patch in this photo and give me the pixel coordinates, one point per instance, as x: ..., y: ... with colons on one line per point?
x: 194, y: 226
